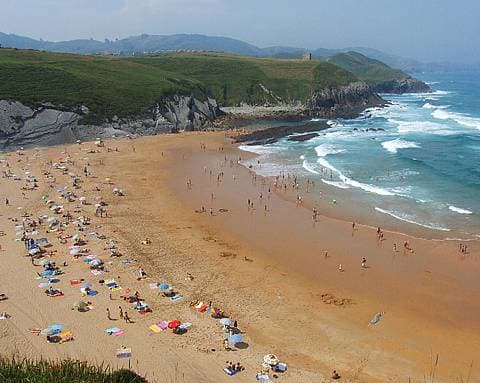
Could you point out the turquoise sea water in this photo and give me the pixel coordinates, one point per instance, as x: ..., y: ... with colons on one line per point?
x: 419, y: 165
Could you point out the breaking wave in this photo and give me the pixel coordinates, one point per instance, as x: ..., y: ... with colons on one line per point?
x: 394, y: 145
x: 406, y: 218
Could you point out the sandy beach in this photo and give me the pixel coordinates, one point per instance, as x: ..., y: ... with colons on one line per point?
x: 272, y: 268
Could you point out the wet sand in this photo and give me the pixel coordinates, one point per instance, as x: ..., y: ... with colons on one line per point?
x: 287, y: 296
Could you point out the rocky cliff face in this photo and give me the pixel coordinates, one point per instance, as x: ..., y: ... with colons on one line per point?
x: 345, y: 101
x: 404, y: 85
x: 21, y: 125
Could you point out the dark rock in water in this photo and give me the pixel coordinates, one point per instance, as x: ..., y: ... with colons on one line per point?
x: 303, y: 137
x: 262, y: 142
x: 271, y: 135
x: 344, y: 101
x: 404, y: 85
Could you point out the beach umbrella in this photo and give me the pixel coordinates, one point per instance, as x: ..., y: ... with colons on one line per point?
x: 235, y: 338
x: 82, y: 199
x: 44, y: 262
x: 174, y: 324
x: 271, y: 359
x: 226, y: 322
x: 96, y: 262
x: 46, y: 273
x: 164, y: 286
x: 75, y: 251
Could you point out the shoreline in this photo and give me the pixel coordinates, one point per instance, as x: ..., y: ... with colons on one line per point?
x: 287, y: 297
x: 396, y: 225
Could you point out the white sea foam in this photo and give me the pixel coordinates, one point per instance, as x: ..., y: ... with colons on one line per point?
x: 422, y: 127
x: 461, y: 119
x: 394, y: 145
x: 406, y: 218
x: 459, y: 210
x: 327, y: 149
x: 316, y: 119
x: 432, y: 82
x: 259, y: 149
x: 340, y: 185
x: 308, y: 168
x: 427, y: 105
x: 332, y: 123
x: 324, y: 150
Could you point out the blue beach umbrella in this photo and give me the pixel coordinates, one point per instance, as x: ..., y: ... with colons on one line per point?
x: 164, y: 286
x: 235, y: 338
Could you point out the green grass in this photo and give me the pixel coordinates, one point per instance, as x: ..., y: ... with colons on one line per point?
x: 369, y: 70
x: 111, y: 86
x: 68, y: 371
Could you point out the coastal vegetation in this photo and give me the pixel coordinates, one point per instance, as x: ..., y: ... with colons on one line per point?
x: 66, y: 371
x: 131, y: 86
x: 121, y: 86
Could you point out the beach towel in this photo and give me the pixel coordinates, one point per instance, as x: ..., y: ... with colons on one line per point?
x: 56, y: 295
x: 92, y: 293
x: 176, y: 298
x: 124, y: 353
x: 185, y: 326
x: 119, y: 333
x: 264, y: 378
x: 230, y: 372
x: 163, y: 325
x: 199, y: 305
x: 74, y: 282
x: 153, y: 286
x: 96, y: 272
x: 116, y: 288
x: 112, y: 330
x: 155, y: 328
x: 35, y: 331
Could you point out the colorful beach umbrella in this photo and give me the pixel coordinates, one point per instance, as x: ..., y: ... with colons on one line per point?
x: 174, y: 324
x: 164, y: 286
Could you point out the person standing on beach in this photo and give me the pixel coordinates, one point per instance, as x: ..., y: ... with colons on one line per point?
x: 120, y: 312
x: 364, y: 263
x: 108, y: 314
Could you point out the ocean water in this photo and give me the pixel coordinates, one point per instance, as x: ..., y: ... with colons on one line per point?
x: 415, y: 162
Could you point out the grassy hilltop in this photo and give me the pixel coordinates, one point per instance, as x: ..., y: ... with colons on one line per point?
x: 131, y: 85
x: 371, y: 71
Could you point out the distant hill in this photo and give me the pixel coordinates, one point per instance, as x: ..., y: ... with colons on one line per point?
x: 159, y: 43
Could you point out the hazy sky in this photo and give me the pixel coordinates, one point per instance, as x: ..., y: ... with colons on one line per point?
x: 422, y: 29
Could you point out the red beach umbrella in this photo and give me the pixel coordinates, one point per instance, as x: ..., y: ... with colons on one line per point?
x: 174, y: 324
